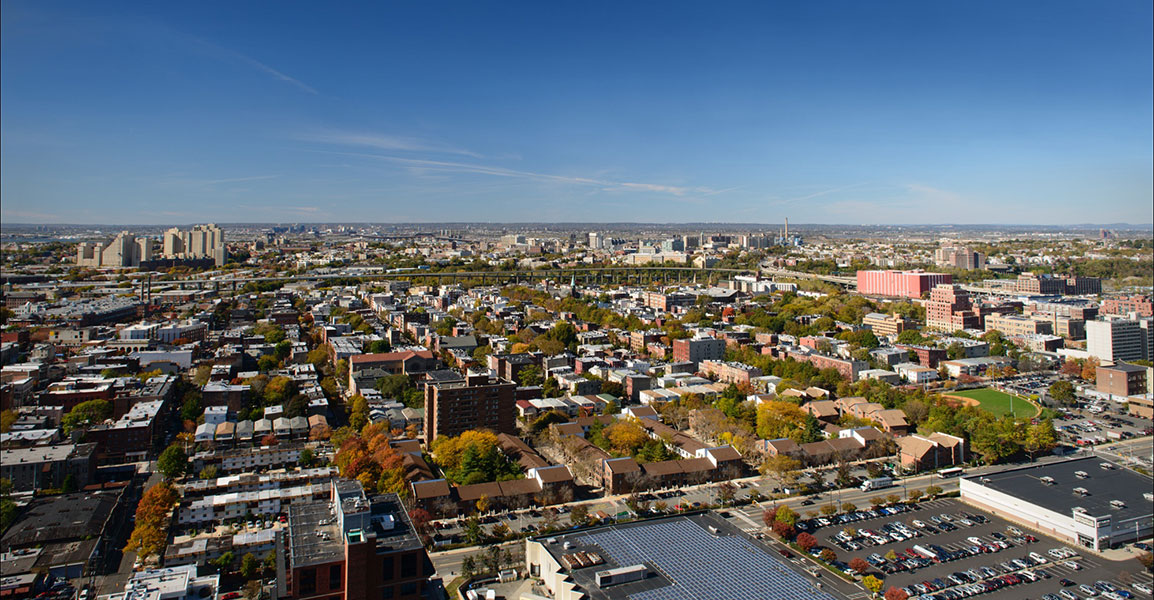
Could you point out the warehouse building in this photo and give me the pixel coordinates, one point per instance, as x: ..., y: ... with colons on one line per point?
x: 687, y: 556
x: 1087, y: 501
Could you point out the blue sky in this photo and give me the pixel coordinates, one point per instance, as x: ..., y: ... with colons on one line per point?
x: 822, y: 112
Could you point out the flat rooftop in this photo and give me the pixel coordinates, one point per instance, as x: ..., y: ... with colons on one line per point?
x: 1102, y: 484
x: 686, y: 559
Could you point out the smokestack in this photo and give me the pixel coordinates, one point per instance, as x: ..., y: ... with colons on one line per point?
x: 787, y: 228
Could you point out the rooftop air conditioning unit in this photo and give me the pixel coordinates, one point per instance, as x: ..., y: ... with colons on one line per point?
x: 1081, y: 491
x: 1081, y: 474
x: 1047, y: 480
x: 1117, y: 504
x: 1106, y: 465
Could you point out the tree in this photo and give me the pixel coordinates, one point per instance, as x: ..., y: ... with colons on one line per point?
x: 848, y: 507
x: 1040, y: 437
x: 253, y: 589
x: 783, y: 466
x: 1147, y: 560
x: 1090, y: 369
x: 473, y: 530
x: 769, y: 516
x: 895, y: 593
x: 248, y: 565
x: 914, y: 495
x: 359, y: 412
x: 1070, y: 368
x: 173, y: 462
x: 787, y: 516
x: 1062, y: 391
x: 224, y: 561
x: 7, y: 418
x: 725, y: 492
x: 279, y: 391
x: 933, y: 491
x: 859, y: 564
x: 86, y: 413
x: 191, y: 409
x: 828, y: 555
x: 872, y: 583
x: 307, y: 458
x: 579, y: 516
x: 806, y: 541
x: 529, y: 375
x: 209, y: 472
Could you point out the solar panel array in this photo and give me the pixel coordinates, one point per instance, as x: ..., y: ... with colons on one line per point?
x: 702, y: 566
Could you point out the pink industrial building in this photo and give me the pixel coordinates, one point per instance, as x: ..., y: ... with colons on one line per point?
x: 906, y: 284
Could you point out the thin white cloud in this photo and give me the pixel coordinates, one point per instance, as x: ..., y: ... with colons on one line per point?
x: 228, y: 54
x: 198, y: 182
x: 933, y: 194
x: 821, y: 193
x: 459, y: 167
x: 385, y: 142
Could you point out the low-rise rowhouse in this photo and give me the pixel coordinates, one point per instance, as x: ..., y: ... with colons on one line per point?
x: 1086, y: 501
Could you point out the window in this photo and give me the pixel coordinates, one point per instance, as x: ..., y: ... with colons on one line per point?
x: 409, y: 565
x: 387, y: 569
x: 308, y: 582
x: 387, y: 593
x: 335, y: 577
x: 408, y: 589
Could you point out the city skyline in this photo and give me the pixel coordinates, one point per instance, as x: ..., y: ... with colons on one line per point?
x: 833, y: 114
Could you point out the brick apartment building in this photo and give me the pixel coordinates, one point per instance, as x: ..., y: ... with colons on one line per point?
x: 730, y: 372
x: 950, y: 309
x: 476, y: 402
x: 698, y: 350
x: 349, y: 547
x: 1143, y: 305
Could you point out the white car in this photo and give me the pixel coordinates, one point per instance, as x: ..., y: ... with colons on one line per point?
x: 1142, y: 587
x: 975, y: 540
x: 1073, y: 565
x: 1038, y: 558
x: 1014, y: 530
x: 918, y: 523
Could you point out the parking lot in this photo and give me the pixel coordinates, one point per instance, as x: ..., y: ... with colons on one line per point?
x: 953, y: 550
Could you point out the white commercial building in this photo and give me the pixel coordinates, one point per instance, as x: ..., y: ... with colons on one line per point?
x: 1087, y: 501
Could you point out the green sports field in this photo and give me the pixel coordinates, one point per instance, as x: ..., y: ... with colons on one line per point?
x: 998, y: 403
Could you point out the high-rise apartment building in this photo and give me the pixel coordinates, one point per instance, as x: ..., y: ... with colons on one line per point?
x: 906, y: 284
x: 475, y: 402
x: 959, y: 257
x: 950, y: 309
x: 202, y: 241
x: 1120, y: 339
x: 124, y: 250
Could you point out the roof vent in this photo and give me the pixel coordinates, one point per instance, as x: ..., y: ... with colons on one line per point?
x: 1081, y: 474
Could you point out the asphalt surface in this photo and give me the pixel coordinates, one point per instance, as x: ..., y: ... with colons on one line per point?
x: 1092, y: 568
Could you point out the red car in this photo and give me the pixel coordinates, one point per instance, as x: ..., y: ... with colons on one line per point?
x: 230, y: 596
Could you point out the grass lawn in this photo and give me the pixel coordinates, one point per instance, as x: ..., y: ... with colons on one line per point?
x: 998, y: 403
